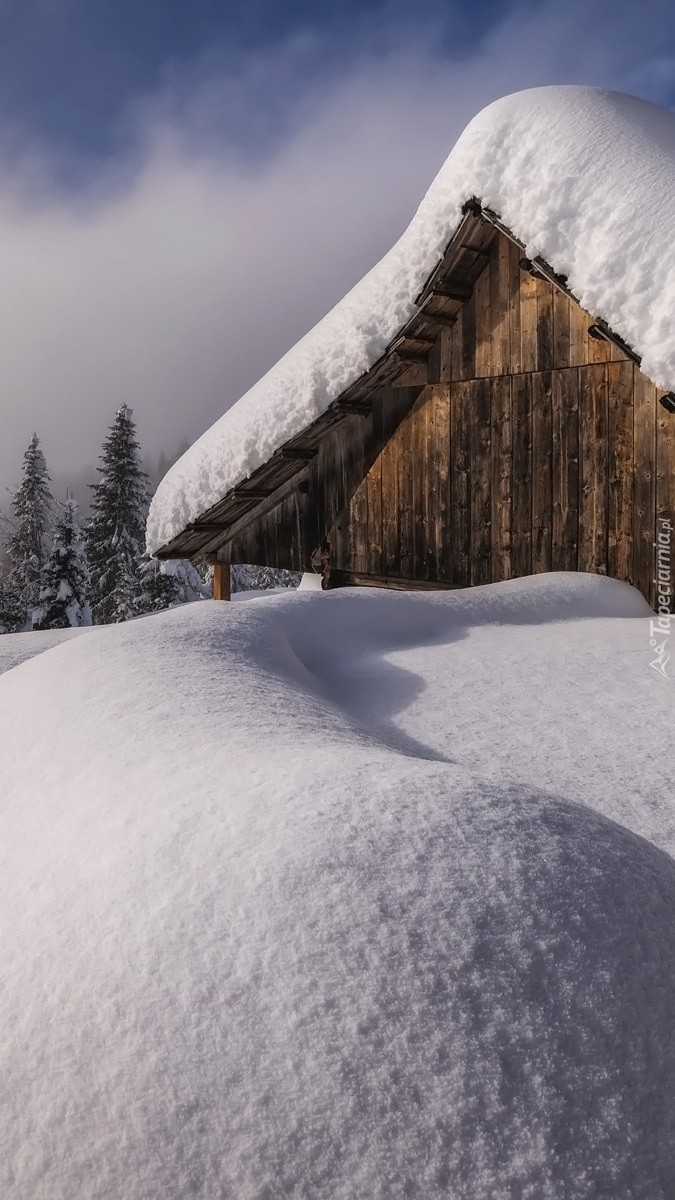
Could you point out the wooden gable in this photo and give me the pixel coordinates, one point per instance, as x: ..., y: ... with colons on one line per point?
x: 535, y: 446
x: 504, y: 433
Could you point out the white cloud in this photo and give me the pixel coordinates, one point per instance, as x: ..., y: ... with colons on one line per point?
x: 178, y: 277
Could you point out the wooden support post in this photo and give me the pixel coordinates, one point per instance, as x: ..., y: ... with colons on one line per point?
x: 221, y: 581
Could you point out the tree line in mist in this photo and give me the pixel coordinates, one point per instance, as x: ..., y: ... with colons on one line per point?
x: 59, y: 572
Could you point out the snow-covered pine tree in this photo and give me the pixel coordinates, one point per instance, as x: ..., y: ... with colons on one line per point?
x: 28, y: 531
x: 191, y: 583
x: 64, y: 595
x: 10, y: 608
x: 247, y: 577
x: 115, y: 533
x: 174, y: 581
x: 157, y: 589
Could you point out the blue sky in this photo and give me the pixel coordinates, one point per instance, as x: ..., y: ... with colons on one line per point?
x: 168, y: 168
x: 70, y: 68
x: 74, y: 72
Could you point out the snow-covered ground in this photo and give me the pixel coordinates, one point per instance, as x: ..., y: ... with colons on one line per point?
x: 582, y: 176
x: 342, y: 896
x: 15, y: 648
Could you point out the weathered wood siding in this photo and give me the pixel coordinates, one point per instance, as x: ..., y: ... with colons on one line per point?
x: 533, y: 447
x: 522, y: 444
x: 294, y: 526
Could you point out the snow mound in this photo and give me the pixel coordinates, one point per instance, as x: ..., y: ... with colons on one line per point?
x: 15, y: 648
x: 583, y: 177
x: 344, y: 895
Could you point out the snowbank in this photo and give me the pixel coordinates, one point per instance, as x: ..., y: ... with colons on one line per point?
x: 584, y: 177
x: 345, y: 896
x: 15, y: 648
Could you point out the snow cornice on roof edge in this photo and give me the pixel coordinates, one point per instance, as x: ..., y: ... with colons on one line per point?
x: 584, y: 178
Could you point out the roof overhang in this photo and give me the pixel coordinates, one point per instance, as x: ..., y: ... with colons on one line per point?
x: 402, y: 364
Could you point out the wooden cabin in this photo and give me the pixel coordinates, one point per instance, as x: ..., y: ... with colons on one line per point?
x: 504, y: 432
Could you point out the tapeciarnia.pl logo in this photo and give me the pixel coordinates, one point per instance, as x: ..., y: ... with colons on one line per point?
x: 659, y: 630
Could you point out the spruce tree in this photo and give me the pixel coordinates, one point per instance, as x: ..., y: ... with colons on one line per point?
x: 28, y: 528
x: 64, y: 601
x: 190, y: 582
x: 115, y: 535
x: 11, y: 619
x: 158, y: 589
x: 248, y: 577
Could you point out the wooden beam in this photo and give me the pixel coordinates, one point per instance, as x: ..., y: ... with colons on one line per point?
x: 526, y: 264
x: 362, y: 408
x: 412, y: 356
x: 478, y: 250
x: 302, y: 453
x: 409, y: 353
x: 334, y: 578
x: 603, y: 333
x: 244, y: 519
x: 451, y: 289
x: 433, y: 318
x: 221, y: 581
x: 213, y: 527
x: 541, y: 270
x: 409, y: 336
x: 250, y: 494
x: 486, y: 214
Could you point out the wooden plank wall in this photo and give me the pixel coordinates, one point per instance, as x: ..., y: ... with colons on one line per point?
x: 288, y: 534
x: 534, y: 447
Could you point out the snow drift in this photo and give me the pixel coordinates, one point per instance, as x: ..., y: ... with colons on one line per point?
x: 584, y: 177
x: 343, y: 895
x: 15, y: 648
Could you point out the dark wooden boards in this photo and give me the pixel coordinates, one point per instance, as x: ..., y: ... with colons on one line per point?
x: 337, y: 578
x: 502, y: 468
x: 593, y: 470
x: 521, y: 482
x: 542, y: 471
x: 293, y: 525
x: 533, y: 446
x: 480, y: 481
x: 644, y: 484
x: 565, y: 470
x: 538, y: 447
x: 459, y: 517
x: 620, y: 475
x: 494, y: 478
x: 517, y: 322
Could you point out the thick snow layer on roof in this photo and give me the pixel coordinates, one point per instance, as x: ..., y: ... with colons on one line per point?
x: 344, y: 896
x: 586, y: 178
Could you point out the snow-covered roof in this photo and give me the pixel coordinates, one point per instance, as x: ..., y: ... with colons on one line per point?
x: 585, y: 178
